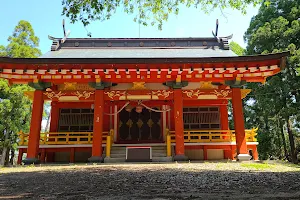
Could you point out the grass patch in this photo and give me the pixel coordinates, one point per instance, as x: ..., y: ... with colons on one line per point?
x: 257, y: 166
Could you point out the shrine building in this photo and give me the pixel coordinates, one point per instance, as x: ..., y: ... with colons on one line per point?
x: 139, y: 99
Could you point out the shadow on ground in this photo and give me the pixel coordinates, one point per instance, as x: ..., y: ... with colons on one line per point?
x: 149, y: 182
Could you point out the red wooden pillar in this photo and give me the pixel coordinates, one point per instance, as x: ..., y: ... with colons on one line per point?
x: 239, y: 126
x: 54, y: 117
x: 35, y: 128
x: 254, y: 152
x: 98, y: 127
x: 20, y: 156
x: 205, y: 156
x: 224, y: 117
x: 72, y: 155
x: 179, y: 128
x: 233, y: 152
x: 43, y: 156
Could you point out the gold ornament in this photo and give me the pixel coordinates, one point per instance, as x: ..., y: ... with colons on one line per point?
x: 221, y: 93
x: 51, y: 94
x: 138, y: 86
x: 140, y: 123
x: 164, y: 93
x: 129, y: 123
x: 150, y: 123
x: 206, y: 85
x: 84, y: 94
x: 191, y: 93
x: 70, y: 86
x: 245, y: 92
x: 114, y: 93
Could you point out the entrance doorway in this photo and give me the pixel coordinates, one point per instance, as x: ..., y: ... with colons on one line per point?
x: 140, y: 127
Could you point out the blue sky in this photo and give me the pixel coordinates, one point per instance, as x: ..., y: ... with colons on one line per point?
x: 46, y: 19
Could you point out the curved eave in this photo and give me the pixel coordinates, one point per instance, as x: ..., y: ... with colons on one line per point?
x: 232, y: 59
x: 124, y: 70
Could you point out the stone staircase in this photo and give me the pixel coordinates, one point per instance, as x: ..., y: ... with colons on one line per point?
x: 159, y: 154
x: 118, y: 154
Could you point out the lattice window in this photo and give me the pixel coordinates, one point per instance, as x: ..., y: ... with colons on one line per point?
x: 201, y: 118
x: 76, y: 120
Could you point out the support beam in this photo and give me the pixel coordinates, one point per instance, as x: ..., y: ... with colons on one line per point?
x: 43, y: 156
x: 54, y: 119
x: 115, y: 122
x: 164, y: 116
x: 238, y: 116
x: 54, y: 116
x: 205, y: 157
x: 72, y: 155
x: 224, y: 117
x: 98, y: 127
x: 20, y: 155
x: 179, y: 129
x: 35, y: 128
x: 255, y: 153
x: 233, y: 152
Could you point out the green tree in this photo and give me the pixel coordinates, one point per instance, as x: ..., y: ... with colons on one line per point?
x: 237, y: 49
x: 276, y: 28
x: 3, y: 52
x: 14, y: 106
x: 146, y: 12
x: 22, y: 43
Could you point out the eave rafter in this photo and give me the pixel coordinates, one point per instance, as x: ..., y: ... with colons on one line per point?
x: 245, y: 68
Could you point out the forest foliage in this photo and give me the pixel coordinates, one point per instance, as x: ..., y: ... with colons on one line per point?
x: 154, y: 12
x: 15, y: 108
x: 274, y: 105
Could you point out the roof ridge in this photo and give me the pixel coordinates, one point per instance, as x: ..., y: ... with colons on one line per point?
x: 165, y: 43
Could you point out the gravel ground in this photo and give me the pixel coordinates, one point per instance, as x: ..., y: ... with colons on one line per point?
x: 152, y: 181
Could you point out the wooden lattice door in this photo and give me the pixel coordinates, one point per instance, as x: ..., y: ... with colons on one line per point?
x: 139, y: 127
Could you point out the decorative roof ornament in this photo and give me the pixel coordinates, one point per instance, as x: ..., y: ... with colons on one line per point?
x: 66, y: 34
x: 206, y: 85
x: 138, y: 86
x: 222, y: 40
x: 56, y: 43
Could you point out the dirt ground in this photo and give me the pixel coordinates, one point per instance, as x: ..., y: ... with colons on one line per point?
x: 152, y: 181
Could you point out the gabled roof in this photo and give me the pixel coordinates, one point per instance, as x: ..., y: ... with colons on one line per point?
x: 139, y: 48
x: 149, y: 60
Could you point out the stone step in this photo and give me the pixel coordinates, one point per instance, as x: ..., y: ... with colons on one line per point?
x: 158, y: 147
x: 159, y: 150
x: 118, y: 148
x: 158, y: 154
x: 162, y: 159
x: 117, y: 152
x: 117, y: 155
x: 114, y: 160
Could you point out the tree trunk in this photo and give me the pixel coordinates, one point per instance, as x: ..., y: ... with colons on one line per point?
x: 7, y: 157
x: 292, y: 142
x: 5, y: 149
x: 279, y: 142
x: 283, y: 140
x: 3, y: 157
x: 12, y: 152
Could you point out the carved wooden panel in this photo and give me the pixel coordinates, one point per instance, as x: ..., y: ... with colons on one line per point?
x: 201, y: 118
